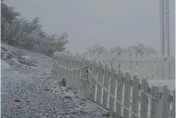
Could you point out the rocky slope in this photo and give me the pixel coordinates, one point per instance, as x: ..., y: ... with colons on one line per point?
x: 29, y: 91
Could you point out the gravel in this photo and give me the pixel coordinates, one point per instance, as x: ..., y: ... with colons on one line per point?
x: 31, y: 92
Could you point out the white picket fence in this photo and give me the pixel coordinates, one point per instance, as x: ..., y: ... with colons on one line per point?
x: 122, y: 94
x: 150, y: 66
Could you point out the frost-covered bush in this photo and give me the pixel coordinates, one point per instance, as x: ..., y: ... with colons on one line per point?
x: 133, y: 49
x: 29, y: 35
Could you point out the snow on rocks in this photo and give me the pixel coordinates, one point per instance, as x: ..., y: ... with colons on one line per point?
x: 16, y: 57
x: 27, y: 61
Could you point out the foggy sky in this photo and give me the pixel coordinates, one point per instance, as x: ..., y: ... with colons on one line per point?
x: 108, y: 22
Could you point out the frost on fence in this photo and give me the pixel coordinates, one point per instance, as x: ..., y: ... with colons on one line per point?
x: 150, y: 66
x: 122, y: 94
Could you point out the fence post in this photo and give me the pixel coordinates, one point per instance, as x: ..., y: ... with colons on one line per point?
x: 74, y: 73
x: 127, y: 85
x: 112, y: 90
x: 82, y: 78
x: 86, y: 80
x: 173, y: 107
x: 54, y: 72
x: 100, y: 79
x: 106, y: 85
x: 90, y: 79
x: 63, y: 70
x: 135, y: 96
x: 66, y: 71
x: 70, y: 72
x: 78, y: 73
x: 155, y: 102
x: 120, y: 79
x: 94, y: 83
x: 163, y: 73
x: 164, y: 103
x: 144, y: 99
x: 60, y: 68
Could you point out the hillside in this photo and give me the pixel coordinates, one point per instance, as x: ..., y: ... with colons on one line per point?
x: 29, y: 91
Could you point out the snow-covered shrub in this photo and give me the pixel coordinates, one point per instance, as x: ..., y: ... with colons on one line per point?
x: 29, y: 35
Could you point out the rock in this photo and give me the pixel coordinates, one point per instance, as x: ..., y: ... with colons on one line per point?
x: 106, y: 114
x: 19, y: 107
x: 46, y: 89
x: 27, y: 61
x: 6, y: 55
x: 63, y: 82
x: 68, y: 97
x: 2, y: 54
x: 83, y: 112
x: 9, y: 56
x: 16, y: 100
x: 68, y: 89
x: 18, y: 54
x: 4, y: 49
x: 13, y: 61
x: 51, y: 90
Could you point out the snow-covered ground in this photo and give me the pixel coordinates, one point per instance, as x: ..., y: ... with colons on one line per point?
x: 31, y: 92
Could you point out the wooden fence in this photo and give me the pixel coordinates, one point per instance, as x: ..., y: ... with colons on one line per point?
x: 150, y: 66
x: 122, y: 94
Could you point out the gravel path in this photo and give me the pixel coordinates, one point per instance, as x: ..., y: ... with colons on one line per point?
x: 31, y: 92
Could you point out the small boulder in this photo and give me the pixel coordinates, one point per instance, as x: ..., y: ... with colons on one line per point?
x: 106, y: 114
x: 68, y: 97
x: 46, y: 89
x: 16, y: 100
x: 63, y: 82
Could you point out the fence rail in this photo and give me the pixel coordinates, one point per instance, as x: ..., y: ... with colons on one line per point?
x: 122, y: 94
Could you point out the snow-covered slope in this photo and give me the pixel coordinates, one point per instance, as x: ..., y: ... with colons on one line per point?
x: 29, y: 91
